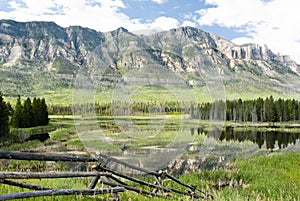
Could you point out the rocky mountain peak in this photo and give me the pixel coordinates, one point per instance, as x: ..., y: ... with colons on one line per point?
x: 119, y: 31
x: 185, y: 50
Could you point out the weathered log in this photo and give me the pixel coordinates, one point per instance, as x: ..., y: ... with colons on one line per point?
x: 180, y: 182
x: 42, y: 175
x: 57, y: 192
x: 94, y: 182
x: 135, y: 167
x: 117, y: 180
x: 24, y: 185
x: 44, y: 157
x: 101, y: 168
x: 137, y: 190
x: 103, y: 160
x: 141, y: 182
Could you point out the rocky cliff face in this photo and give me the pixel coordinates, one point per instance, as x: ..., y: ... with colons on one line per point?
x: 185, y: 50
x: 45, y: 42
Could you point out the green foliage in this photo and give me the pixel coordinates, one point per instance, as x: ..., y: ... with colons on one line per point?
x: 27, y: 113
x: 63, y: 66
x: 257, y: 110
x: 23, y: 146
x: 274, y: 177
x: 17, y: 118
x: 4, y: 117
x: 30, y: 114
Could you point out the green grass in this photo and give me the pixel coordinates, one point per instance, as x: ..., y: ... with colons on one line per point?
x: 66, y: 95
x: 275, y: 176
x: 271, y: 177
x: 22, y: 146
x: 266, y: 177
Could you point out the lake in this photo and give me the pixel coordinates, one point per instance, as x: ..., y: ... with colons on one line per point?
x: 172, y: 142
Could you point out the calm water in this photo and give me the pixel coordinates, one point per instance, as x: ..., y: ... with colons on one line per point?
x: 272, y: 139
x: 157, y: 143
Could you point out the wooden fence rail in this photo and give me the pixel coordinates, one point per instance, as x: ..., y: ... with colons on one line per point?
x: 57, y: 192
x: 43, y: 175
x: 115, y: 181
x: 43, y: 157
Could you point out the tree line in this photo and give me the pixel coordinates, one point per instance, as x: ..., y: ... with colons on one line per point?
x: 4, y: 117
x: 118, y: 108
x: 23, y: 115
x: 256, y: 110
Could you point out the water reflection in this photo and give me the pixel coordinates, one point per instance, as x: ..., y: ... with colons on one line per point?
x: 157, y: 143
x: 270, y: 138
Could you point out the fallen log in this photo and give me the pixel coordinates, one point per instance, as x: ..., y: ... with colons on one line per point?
x: 137, y: 190
x: 24, y: 185
x: 59, y: 192
x: 134, y: 167
x: 42, y: 175
x: 44, y: 157
x: 142, y: 182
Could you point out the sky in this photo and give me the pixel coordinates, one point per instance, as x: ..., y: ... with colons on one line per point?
x: 275, y: 23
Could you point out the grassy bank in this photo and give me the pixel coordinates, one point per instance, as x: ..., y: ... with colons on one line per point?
x: 261, y: 177
x: 273, y: 177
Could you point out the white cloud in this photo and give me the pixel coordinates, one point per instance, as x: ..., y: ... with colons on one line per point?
x: 188, y: 23
x: 242, y: 40
x: 164, y: 23
x: 275, y: 23
x: 96, y: 14
x: 160, y: 1
x: 76, y: 12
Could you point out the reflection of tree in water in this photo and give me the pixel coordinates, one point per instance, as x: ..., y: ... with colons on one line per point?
x: 269, y: 138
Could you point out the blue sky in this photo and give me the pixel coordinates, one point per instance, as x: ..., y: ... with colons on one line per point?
x: 271, y: 22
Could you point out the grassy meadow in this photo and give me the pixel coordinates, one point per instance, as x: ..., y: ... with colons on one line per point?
x: 273, y: 176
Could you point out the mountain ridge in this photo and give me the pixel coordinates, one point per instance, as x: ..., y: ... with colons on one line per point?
x: 196, y: 55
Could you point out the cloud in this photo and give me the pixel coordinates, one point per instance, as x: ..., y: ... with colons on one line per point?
x: 188, y: 23
x: 165, y: 22
x: 160, y: 1
x: 242, y: 40
x: 100, y: 15
x: 275, y: 23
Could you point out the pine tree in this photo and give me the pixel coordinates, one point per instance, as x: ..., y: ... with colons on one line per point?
x: 270, y: 109
x: 17, y: 118
x: 27, y: 114
x: 44, y: 113
x: 36, y: 112
x: 4, y: 113
x: 279, y: 109
x: 10, y: 109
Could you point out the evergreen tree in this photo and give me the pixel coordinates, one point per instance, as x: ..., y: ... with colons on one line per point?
x: 289, y: 110
x: 36, y: 111
x: 279, y: 109
x: 44, y: 113
x: 27, y: 114
x: 259, y: 103
x: 17, y: 118
x: 4, y: 113
x: 10, y: 109
x: 270, y: 109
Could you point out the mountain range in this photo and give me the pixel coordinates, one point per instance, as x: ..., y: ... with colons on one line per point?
x: 36, y: 55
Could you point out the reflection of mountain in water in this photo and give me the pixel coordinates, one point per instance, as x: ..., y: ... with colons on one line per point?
x: 268, y: 138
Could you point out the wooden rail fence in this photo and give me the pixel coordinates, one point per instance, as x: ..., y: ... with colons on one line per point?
x: 115, y: 181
